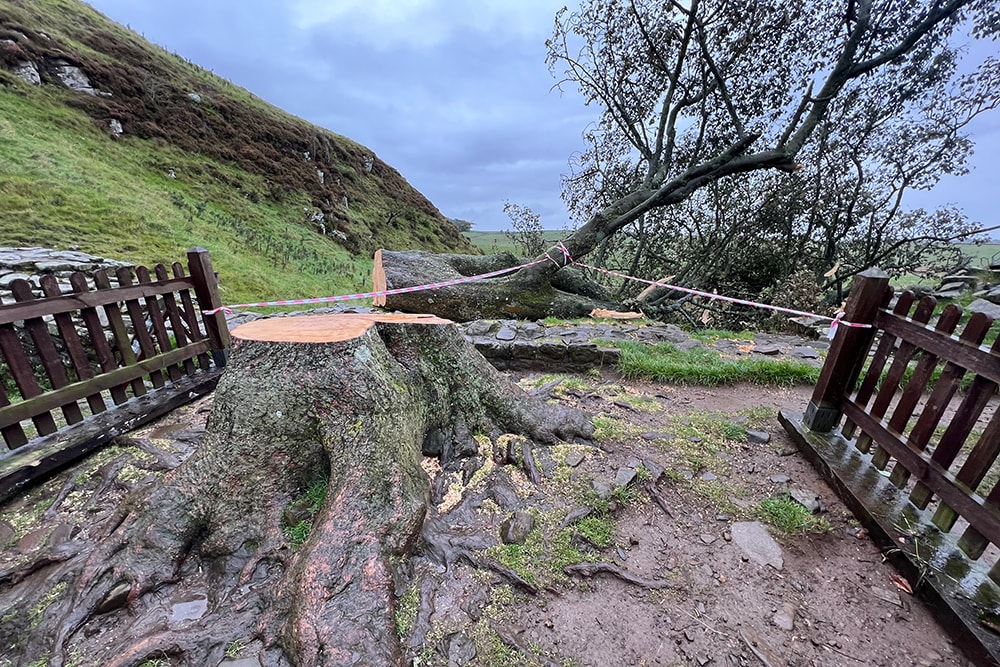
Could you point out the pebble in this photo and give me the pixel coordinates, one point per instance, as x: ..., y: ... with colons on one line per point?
x: 707, y: 538
x: 624, y: 477
x: 784, y: 618
x: 574, y: 515
x: 654, y: 469
x: 757, y: 544
x: 601, y: 488
x: 807, y: 498
x: 516, y: 528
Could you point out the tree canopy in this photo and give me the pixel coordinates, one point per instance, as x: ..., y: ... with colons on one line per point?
x: 825, y: 113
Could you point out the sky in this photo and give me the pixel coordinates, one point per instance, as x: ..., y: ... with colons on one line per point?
x: 454, y: 94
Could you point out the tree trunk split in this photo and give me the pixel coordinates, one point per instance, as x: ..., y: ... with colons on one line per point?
x: 346, y: 402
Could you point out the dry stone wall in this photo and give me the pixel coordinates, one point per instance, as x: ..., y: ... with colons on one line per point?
x: 32, y: 263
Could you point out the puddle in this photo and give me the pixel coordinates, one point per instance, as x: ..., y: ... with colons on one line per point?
x: 189, y: 608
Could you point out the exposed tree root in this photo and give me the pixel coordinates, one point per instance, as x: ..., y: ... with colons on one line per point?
x: 591, y: 569
x: 658, y: 498
x: 510, y: 639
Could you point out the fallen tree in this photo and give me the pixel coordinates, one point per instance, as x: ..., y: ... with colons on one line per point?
x: 319, y: 420
x: 694, y: 93
x: 519, y: 295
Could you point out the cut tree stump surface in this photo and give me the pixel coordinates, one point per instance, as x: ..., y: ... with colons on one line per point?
x: 324, y: 328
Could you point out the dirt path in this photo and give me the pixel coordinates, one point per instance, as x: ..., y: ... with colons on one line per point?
x: 832, y: 602
x: 682, y: 528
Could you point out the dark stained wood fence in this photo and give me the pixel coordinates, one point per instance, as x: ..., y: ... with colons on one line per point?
x: 82, y: 365
x: 902, y: 424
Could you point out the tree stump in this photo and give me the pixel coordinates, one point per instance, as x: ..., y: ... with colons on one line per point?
x: 347, y: 402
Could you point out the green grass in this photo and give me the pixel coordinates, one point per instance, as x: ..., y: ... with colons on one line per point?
x: 242, y: 186
x: 981, y: 255
x: 406, y: 611
x: 790, y: 517
x: 609, y: 428
x: 310, y: 503
x: 235, y: 648
x: 598, y: 530
x: 549, y: 549
x: 62, y: 184
x: 664, y: 362
x: 714, y: 335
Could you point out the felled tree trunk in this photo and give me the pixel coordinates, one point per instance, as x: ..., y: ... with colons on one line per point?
x: 547, y: 289
x: 345, y: 402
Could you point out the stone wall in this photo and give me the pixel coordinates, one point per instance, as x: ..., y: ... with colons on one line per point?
x: 32, y: 263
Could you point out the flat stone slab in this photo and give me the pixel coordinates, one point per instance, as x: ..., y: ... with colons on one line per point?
x: 758, y: 545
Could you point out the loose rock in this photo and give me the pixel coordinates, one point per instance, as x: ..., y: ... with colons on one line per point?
x: 784, y: 618
x: 752, y: 537
x: 516, y: 528
x: 807, y: 498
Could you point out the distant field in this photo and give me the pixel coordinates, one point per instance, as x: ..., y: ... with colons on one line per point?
x: 497, y: 242
x: 982, y: 255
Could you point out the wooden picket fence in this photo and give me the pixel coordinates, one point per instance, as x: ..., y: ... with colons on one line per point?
x: 90, y: 364
x: 903, y: 424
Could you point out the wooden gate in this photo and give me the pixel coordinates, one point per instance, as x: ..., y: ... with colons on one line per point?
x: 82, y: 367
x: 903, y: 424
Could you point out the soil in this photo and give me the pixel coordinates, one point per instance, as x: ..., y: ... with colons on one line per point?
x: 695, y: 597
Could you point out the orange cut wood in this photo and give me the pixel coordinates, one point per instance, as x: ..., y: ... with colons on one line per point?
x: 378, y: 279
x: 323, y: 328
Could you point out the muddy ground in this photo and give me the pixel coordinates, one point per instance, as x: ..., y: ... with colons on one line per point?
x: 698, y: 482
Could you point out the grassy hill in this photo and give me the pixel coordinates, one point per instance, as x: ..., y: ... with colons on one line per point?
x: 287, y: 209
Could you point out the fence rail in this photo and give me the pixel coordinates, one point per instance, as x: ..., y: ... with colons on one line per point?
x: 72, y: 357
x: 903, y: 423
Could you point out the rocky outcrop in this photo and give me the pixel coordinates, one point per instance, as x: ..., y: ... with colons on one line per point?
x: 74, y: 78
x: 27, y: 72
x: 984, y: 284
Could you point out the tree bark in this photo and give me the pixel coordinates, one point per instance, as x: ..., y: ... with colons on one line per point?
x: 562, y: 292
x: 344, y: 401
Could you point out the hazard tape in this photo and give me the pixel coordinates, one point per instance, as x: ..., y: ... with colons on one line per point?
x: 369, y: 295
x: 834, y: 321
x: 567, y: 259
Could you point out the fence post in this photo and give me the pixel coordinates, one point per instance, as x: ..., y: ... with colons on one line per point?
x: 206, y: 288
x: 848, y: 351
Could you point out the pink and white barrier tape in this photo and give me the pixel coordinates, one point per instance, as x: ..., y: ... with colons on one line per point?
x: 567, y: 259
x: 369, y: 295
x: 834, y: 321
